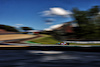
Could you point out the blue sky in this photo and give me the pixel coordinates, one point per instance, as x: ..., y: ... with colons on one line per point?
x: 28, y: 12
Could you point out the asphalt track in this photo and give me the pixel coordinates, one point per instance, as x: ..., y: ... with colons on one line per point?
x: 34, y: 58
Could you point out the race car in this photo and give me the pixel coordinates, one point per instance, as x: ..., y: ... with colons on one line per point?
x: 62, y: 43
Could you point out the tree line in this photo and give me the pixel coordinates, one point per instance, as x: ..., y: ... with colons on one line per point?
x: 89, y: 23
x: 13, y: 29
x: 8, y: 28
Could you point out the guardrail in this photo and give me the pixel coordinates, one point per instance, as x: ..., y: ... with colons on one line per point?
x: 83, y: 42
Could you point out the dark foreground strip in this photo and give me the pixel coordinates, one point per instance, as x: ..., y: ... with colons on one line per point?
x: 54, y: 48
x: 4, y: 44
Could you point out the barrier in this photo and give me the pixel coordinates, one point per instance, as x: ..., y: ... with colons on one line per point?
x: 84, y: 42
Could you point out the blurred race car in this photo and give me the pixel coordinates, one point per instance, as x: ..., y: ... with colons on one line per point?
x: 62, y: 43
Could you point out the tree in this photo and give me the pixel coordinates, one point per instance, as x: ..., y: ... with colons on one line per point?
x: 88, y: 30
x: 26, y: 28
x: 80, y: 16
x: 94, y: 11
x: 8, y: 28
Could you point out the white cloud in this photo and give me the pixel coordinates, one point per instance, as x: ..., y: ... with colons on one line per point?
x: 49, y: 23
x: 56, y: 26
x: 59, y: 11
x: 50, y: 20
x: 48, y: 29
x: 47, y: 13
x: 53, y: 27
x: 19, y: 24
x: 56, y: 11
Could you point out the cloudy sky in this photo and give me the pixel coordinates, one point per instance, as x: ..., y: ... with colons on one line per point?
x: 40, y: 14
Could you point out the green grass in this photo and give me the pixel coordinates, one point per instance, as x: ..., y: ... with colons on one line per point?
x: 46, y: 39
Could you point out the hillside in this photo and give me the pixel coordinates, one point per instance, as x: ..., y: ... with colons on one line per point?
x: 6, y: 28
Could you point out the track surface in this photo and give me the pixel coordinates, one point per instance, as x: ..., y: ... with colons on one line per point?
x: 14, y: 36
x: 31, y: 58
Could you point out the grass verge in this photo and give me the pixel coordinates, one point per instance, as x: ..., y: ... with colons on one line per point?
x: 46, y: 39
